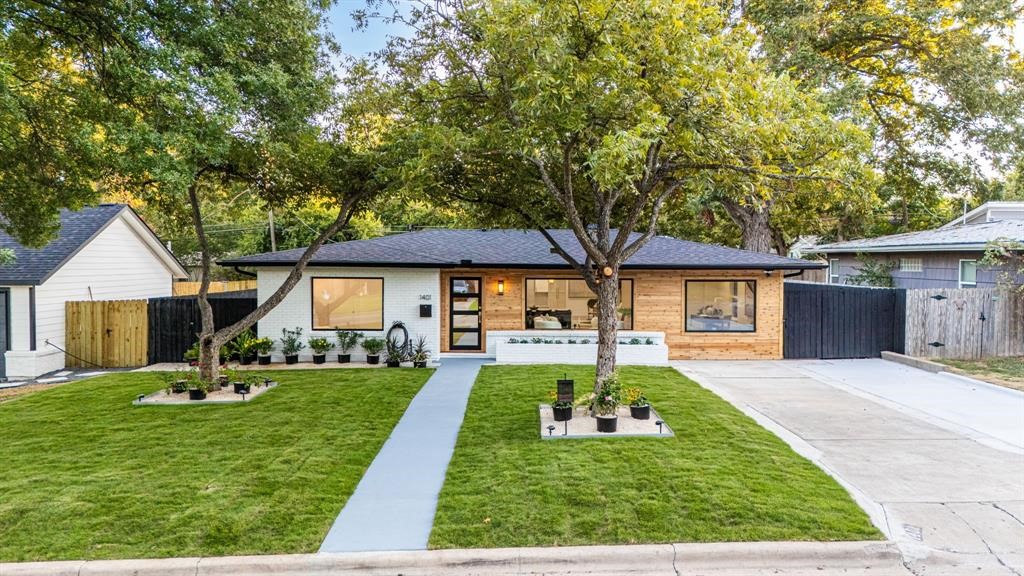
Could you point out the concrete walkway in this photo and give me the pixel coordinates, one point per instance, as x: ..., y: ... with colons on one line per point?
x: 940, y: 479
x: 393, y: 506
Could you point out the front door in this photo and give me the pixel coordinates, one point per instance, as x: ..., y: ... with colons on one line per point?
x: 464, y: 305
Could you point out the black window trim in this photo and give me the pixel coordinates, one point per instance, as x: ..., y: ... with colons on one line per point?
x: 686, y: 294
x: 632, y: 297
x: 312, y: 308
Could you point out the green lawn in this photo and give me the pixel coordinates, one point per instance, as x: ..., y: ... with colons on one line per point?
x: 84, y: 474
x: 1007, y: 371
x: 722, y: 478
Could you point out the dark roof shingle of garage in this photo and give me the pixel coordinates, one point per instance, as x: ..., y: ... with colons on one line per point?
x: 32, y: 266
x: 513, y: 248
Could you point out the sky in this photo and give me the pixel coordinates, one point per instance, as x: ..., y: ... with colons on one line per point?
x: 361, y: 42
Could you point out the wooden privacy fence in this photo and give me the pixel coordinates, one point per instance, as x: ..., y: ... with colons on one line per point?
x: 946, y: 322
x: 174, y: 323
x: 830, y: 321
x: 107, y: 333
x: 192, y: 288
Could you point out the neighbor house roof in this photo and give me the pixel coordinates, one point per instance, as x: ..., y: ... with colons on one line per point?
x: 968, y: 237
x: 1012, y: 208
x: 33, y: 266
x: 514, y: 249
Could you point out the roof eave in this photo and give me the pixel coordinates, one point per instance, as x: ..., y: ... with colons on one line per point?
x: 968, y: 247
x: 521, y: 266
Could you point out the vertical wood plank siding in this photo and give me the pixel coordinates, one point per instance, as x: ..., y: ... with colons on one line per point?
x: 658, y: 305
x: 107, y: 333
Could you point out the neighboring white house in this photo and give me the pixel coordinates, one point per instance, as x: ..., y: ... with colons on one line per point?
x: 104, y: 252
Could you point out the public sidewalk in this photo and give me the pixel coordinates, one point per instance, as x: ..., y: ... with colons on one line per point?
x: 393, y: 506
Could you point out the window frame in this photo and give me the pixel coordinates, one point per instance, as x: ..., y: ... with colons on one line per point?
x: 632, y: 298
x: 960, y: 273
x: 913, y: 269
x: 312, y: 298
x: 834, y: 278
x: 686, y: 293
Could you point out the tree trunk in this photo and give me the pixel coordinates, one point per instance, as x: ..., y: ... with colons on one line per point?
x: 607, y: 327
x: 753, y: 220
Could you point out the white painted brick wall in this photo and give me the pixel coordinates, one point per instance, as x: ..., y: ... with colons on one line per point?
x: 404, y: 289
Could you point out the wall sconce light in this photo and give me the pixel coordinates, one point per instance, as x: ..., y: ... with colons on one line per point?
x: 501, y: 287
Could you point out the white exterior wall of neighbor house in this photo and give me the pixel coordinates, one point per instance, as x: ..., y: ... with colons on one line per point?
x: 116, y: 265
x: 404, y: 290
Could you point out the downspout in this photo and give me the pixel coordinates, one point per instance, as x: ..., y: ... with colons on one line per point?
x: 244, y: 272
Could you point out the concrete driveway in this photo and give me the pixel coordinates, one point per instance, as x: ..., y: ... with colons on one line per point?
x: 936, y: 460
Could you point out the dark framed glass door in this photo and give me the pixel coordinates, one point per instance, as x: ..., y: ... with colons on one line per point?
x: 464, y: 306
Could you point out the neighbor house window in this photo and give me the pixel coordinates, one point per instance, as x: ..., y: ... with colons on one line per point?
x: 567, y: 303
x: 721, y: 305
x: 833, y: 271
x: 910, y: 265
x: 348, y: 303
x: 968, y: 273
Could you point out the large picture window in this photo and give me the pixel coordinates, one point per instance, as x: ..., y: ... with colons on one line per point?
x: 568, y: 303
x: 348, y: 303
x: 721, y: 305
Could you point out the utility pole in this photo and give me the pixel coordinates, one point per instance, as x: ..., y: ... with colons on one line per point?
x: 273, y: 234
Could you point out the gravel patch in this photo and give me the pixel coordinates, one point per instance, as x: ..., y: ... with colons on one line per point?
x: 583, y: 425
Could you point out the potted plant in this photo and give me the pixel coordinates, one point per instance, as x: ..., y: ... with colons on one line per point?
x: 420, y: 352
x: 244, y: 346
x: 192, y: 355
x: 175, y: 382
x: 320, y: 346
x: 373, y: 346
x: 639, y: 407
x: 263, y: 348
x: 197, y: 389
x: 562, y: 409
x: 393, y: 353
x: 291, y: 344
x: 347, y: 340
x: 606, y: 403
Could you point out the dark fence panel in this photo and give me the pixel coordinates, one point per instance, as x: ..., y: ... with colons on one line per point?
x: 174, y: 322
x: 829, y: 321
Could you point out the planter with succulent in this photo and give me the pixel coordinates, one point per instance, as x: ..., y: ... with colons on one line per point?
x: 561, y: 409
x: 321, y: 346
x: 639, y: 407
x: 197, y: 389
x: 263, y: 347
x: 244, y: 346
x: 606, y: 403
x: 347, y: 340
x: 175, y: 382
x: 291, y: 344
x: 373, y: 346
x: 420, y: 352
x: 393, y: 353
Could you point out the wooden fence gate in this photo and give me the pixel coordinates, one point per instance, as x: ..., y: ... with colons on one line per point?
x: 107, y: 333
x: 946, y: 322
x: 829, y: 321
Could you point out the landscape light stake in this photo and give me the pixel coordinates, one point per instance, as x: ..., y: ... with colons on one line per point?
x: 141, y: 396
x: 565, y: 431
x: 551, y: 428
x: 243, y: 394
x: 659, y: 423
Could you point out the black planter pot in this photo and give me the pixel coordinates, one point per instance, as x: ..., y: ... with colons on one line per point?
x: 263, y: 360
x: 607, y: 423
x: 222, y: 380
x: 246, y: 360
x: 344, y: 358
x: 179, y: 387
x: 291, y: 359
x: 419, y: 364
x: 241, y: 387
x: 197, y: 394
x: 373, y: 359
x: 640, y: 412
x: 223, y: 360
x: 319, y: 358
x: 394, y: 364
x: 562, y: 414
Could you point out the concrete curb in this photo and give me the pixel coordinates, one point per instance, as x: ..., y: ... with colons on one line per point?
x: 919, y: 363
x: 658, y: 559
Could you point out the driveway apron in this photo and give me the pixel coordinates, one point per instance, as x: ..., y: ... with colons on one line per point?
x: 393, y: 506
x: 933, y: 461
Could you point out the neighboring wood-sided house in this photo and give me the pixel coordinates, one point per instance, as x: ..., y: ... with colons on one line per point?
x: 104, y: 252
x: 946, y: 257
x: 472, y: 291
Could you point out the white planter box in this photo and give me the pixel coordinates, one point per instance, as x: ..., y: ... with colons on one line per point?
x: 626, y: 354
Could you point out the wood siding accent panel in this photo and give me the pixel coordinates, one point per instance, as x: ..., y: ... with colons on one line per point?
x: 658, y: 305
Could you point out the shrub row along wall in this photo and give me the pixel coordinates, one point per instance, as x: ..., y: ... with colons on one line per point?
x: 946, y: 322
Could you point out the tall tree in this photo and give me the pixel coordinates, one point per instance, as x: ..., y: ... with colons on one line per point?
x: 179, y: 96
x: 592, y: 113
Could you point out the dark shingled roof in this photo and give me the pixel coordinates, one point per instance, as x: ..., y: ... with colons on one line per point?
x: 32, y: 266
x: 513, y: 249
